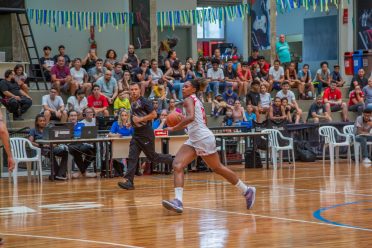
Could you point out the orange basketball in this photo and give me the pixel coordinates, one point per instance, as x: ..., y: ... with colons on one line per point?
x: 174, y: 118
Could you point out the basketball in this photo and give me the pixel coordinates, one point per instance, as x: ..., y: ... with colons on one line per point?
x: 173, y: 119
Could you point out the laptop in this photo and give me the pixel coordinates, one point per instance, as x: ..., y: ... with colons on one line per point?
x: 59, y: 131
x: 89, y: 132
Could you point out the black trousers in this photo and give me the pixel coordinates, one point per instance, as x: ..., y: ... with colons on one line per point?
x: 145, y: 143
x: 78, y: 150
x: 60, y: 170
x: 18, y: 107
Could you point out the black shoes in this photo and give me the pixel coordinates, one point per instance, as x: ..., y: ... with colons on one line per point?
x: 126, y: 185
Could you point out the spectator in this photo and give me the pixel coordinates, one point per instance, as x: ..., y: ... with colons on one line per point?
x: 231, y: 77
x: 256, y: 75
x: 121, y: 127
x: 363, y: 125
x: 118, y: 72
x: 58, y: 151
x: 189, y: 73
x: 97, y: 72
x: 89, y: 117
x: 228, y: 120
x: 123, y: 84
x: 216, y: 77
x: 356, y: 100
x: 277, y: 112
x: 109, y: 86
x: 359, y: 79
x: 61, y: 77
x: 323, y: 77
x: 253, y: 98
x: 332, y: 98
x: 264, y: 67
x: 254, y: 57
x: 367, y: 91
x: 171, y: 58
x: 250, y: 115
x: 90, y: 60
x: 233, y: 52
x: 292, y: 104
x: 122, y: 102
x: 282, y: 51
x: 78, y: 103
x: 53, y: 107
x: 143, y: 76
x: 161, y: 122
x: 110, y: 60
x: 216, y: 56
x: 173, y: 77
x: 305, y: 77
x: 265, y: 99
x: 238, y: 112
x: 172, y: 107
x: 236, y: 63
x: 156, y: 72
x: 276, y: 76
x: 218, y: 106
x: 336, y: 76
x: 62, y: 52
x: 130, y: 60
x: 287, y: 109
x: 317, y: 112
x: 47, y: 62
x: 159, y: 86
x: 77, y: 150
x: 199, y: 71
x: 293, y: 81
x: 191, y: 61
x: 21, y: 77
x: 79, y: 78
x: 245, y: 78
x: 229, y: 96
x: 98, y: 102
x: 14, y: 98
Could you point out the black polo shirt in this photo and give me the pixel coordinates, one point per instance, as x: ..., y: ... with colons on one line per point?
x: 10, y: 86
x: 141, y: 108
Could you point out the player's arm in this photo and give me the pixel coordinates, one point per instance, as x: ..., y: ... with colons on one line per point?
x: 5, y: 139
x: 145, y: 118
x: 190, y: 115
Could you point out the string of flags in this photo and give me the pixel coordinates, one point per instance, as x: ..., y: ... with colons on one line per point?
x: 82, y: 20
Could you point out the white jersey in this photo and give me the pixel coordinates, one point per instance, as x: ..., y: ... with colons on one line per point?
x: 198, y: 130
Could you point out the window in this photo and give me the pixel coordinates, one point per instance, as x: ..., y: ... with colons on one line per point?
x: 211, y: 30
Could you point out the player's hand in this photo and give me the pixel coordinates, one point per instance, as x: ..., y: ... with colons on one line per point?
x: 11, y: 164
x: 169, y: 129
x: 137, y: 119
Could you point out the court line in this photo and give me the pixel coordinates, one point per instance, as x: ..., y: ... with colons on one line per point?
x: 278, y: 218
x: 69, y: 239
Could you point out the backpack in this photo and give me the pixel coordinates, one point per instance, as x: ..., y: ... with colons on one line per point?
x: 304, y: 152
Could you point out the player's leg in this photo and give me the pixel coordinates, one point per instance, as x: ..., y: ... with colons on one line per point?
x: 134, y: 153
x: 184, y: 156
x: 213, y: 162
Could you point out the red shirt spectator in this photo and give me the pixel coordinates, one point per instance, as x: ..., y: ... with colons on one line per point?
x: 101, y: 102
x: 332, y: 95
x: 353, y: 96
x: 245, y: 75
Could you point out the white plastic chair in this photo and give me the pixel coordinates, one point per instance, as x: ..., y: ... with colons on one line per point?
x: 349, y: 130
x: 19, y: 152
x: 274, y: 137
x: 330, y: 134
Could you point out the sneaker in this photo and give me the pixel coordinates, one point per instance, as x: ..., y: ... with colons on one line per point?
x: 173, y: 205
x: 366, y: 161
x: 61, y: 178
x: 126, y: 185
x: 76, y: 175
x: 90, y: 175
x: 250, y: 197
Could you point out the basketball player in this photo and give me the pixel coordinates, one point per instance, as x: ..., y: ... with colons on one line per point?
x: 202, y: 143
x: 143, y: 139
x: 4, y: 136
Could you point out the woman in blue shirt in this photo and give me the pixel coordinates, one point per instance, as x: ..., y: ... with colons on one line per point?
x: 160, y: 123
x: 122, y: 126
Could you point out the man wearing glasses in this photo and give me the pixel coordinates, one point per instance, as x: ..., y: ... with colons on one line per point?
x: 53, y: 107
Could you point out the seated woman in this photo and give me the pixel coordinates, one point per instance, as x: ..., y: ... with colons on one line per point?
x: 238, y: 113
x: 78, y: 103
x: 58, y: 151
x: 172, y: 106
x: 174, y: 77
x: 277, y: 112
x: 21, y: 77
x: 160, y: 123
x: 122, y: 126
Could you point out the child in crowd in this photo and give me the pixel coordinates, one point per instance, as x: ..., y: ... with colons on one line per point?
x: 336, y: 76
x: 277, y: 112
x: 287, y: 109
x: 265, y: 99
x: 250, y: 116
x: 121, y: 102
x: 228, y: 120
x: 253, y: 98
x: 218, y: 106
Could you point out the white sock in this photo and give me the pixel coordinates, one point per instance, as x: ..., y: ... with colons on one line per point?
x: 242, y: 187
x: 179, y: 193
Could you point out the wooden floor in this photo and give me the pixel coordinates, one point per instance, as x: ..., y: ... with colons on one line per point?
x: 311, y: 206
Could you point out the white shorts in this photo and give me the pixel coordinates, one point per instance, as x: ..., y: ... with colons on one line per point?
x: 203, y: 147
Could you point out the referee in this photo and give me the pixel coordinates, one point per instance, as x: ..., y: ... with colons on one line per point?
x: 143, y: 139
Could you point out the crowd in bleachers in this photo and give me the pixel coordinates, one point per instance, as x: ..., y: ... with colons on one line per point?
x: 242, y: 91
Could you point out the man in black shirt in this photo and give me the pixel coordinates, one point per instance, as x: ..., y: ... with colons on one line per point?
x: 317, y: 112
x: 253, y: 98
x: 61, y: 50
x: 47, y: 62
x: 14, y: 99
x: 143, y: 139
x: 359, y: 79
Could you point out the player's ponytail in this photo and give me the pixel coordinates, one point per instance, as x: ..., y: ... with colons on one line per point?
x: 199, y: 84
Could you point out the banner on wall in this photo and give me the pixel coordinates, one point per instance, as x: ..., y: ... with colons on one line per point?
x: 364, y: 24
x: 260, y: 25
